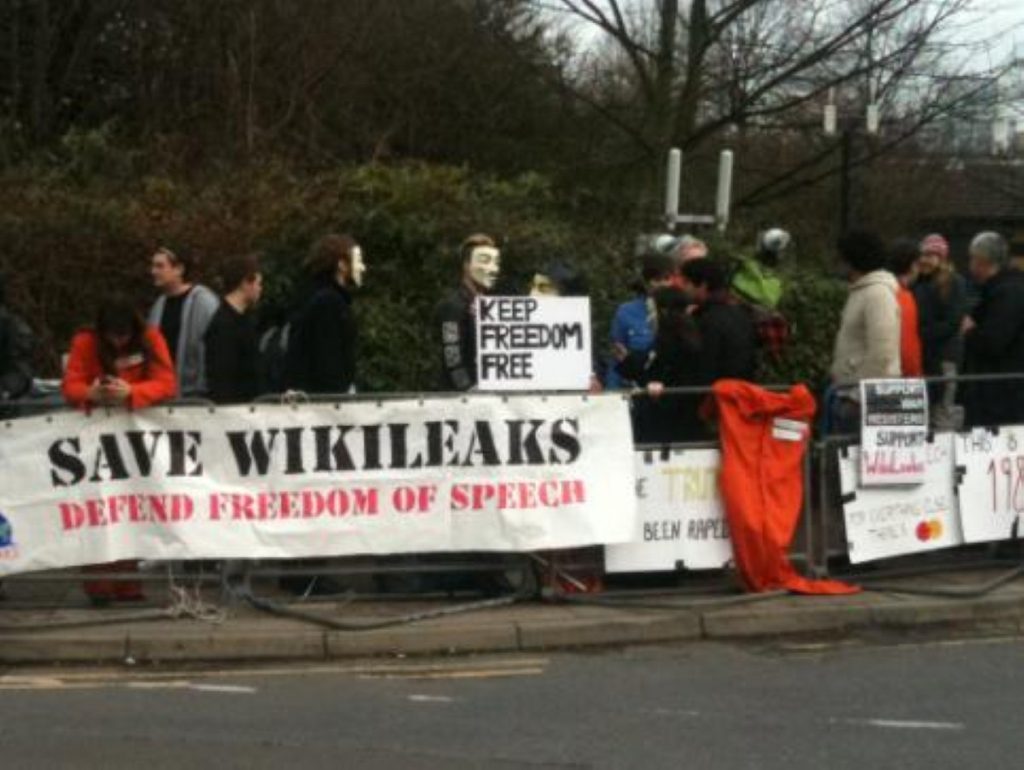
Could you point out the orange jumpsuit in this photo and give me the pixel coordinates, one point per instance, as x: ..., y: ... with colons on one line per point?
x: 764, y: 437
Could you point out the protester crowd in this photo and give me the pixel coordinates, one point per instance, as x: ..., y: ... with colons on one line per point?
x: 909, y: 313
x: 697, y: 317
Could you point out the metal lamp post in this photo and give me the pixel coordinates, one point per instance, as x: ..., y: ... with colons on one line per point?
x: 847, y: 128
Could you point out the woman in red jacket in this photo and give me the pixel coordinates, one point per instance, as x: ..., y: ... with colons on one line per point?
x: 119, y: 362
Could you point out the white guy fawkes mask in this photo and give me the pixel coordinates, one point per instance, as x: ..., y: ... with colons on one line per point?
x: 484, y: 266
x: 358, y: 266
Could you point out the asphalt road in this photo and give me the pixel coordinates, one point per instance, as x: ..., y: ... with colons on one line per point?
x: 937, y: 705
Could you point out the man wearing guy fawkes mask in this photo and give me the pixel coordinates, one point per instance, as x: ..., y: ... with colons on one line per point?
x: 481, y: 264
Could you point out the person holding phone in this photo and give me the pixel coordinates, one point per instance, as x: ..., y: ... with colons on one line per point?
x: 119, y: 362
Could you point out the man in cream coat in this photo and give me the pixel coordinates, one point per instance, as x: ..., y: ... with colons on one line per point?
x: 868, y: 342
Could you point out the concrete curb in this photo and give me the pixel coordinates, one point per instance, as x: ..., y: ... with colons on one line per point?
x: 522, y: 628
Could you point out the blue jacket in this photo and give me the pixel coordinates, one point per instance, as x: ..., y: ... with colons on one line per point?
x: 632, y: 328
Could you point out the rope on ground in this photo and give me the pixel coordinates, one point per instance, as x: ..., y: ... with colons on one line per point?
x: 186, y: 602
x: 281, y: 610
x: 951, y: 592
x: 625, y: 602
x: 105, y: 620
x: 630, y: 602
x: 857, y: 575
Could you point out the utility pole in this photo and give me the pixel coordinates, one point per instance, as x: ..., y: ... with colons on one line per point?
x: 846, y: 126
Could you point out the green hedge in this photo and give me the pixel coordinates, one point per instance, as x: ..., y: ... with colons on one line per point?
x: 65, y: 244
x: 69, y: 236
x: 812, y: 304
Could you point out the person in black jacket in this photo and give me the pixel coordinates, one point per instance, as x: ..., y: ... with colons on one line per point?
x: 321, y: 355
x: 232, y: 347
x: 994, y: 335
x: 659, y: 417
x: 481, y: 265
x: 941, y: 295
x: 728, y: 337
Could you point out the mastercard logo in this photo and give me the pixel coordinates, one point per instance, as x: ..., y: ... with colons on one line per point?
x: 929, y: 530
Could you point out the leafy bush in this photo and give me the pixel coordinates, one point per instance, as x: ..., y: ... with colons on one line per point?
x: 66, y: 243
x: 812, y: 304
x: 68, y: 237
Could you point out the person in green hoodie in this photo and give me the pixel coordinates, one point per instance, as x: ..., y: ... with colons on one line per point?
x: 756, y: 282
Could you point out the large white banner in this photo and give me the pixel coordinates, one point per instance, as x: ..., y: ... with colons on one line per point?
x: 890, y: 521
x: 990, y: 471
x: 680, y: 523
x: 487, y: 473
x: 533, y: 343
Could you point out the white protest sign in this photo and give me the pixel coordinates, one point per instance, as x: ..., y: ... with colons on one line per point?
x: 894, y: 428
x: 276, y: 481
x: 680, y: 521
x: 891, y: 521
x: 533, y: 343
x: 990, y: 472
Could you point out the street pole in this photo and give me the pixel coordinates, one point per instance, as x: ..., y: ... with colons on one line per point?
x: 845, y: 147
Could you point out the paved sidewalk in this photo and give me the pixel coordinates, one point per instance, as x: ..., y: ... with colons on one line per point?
x: 240, y: 632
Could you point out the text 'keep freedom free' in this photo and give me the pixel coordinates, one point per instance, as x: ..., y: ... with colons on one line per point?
x: 533, y: 343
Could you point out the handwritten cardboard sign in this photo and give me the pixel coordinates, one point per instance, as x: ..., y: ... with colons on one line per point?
x: 894, y: 431
x: 533, y: 343
x: 681, y: 523
x: 893, y: 521
x: 990, y: 483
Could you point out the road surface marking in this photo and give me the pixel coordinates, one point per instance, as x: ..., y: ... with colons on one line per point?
x: 166, y: 684
x: 13, y: 682
x: 186, y: 685
x: 671, y: 712
x: 469, y: 667
x: 486, y: 673
x: 226, y: 688
x: 903, y: 724
x: 430, y: 699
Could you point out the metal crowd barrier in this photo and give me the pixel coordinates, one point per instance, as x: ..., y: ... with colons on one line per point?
x: 393, y: 577
x: 820, y: 544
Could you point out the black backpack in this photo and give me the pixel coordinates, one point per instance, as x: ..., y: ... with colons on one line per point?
x: 274, y: 357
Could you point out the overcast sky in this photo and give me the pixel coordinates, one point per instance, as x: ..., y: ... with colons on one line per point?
x: 1003, y: 19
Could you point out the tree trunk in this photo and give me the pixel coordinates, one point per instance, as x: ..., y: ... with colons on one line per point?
x: 15, y: 55
x: 664, y: 77
x: 40, y: 101
x: 698, y: 38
